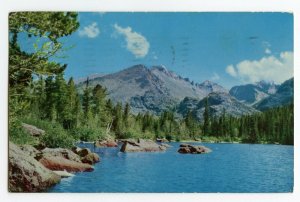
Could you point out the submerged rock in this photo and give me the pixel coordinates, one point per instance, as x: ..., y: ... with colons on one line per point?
x: 193, y: 149
x: 141, y: 146
x: 25, y: 174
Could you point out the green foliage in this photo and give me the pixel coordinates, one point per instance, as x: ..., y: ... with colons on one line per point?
x: 88, y: 134
x: 272, y: 126
x: 56, y: 136
x: 47, y: 25
x: 206, y: 124
x: 18, y: 136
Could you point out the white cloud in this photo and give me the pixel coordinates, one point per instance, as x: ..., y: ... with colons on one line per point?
x: 136, y: 43
x: 268, y: 51
x: 90, y: 31
x: 268, y: 68
x: 231, y: 71
x: 215, y: 77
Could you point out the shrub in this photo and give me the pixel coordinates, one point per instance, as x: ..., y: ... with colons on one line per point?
x: 57, y: 137
x: 130, y: 133
x: 18, y: 136
x: 55, y: 134
x: 88, y: 134
x: 169, y: 137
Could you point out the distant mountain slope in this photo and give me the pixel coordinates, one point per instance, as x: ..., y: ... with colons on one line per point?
x: 218, y: 102
x: 251, y: 94
x: 283, y: 96
x: 151, y: 89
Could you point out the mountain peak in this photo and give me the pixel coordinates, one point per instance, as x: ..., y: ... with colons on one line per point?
x: 153, y: 89
x: 210, y: 86
x: 136, y: 67
x: 160, y: 68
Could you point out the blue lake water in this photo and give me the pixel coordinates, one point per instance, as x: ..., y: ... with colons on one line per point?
x: 228, y: 168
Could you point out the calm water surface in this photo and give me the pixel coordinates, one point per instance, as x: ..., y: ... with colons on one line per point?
x: 229, y: 168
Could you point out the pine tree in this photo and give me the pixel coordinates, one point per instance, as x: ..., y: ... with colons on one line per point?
x: 49, y: 105
x: 62, y: 106
x: 87, y: 104
x: 99, y: 102
x: 126, y: 114
x: 74, y: 105
x: 206, y: 124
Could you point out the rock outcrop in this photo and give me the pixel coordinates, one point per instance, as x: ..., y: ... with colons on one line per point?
x: 25, y: 174
x: 141, y: 146
x: 86, y: 155
x: 193, y: 149
x: 33, y: 170
x: 30, y: 150
x: 33, y: 130
x: 60, y: 152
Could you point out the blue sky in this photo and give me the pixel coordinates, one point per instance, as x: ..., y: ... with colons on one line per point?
x: 227, y: 48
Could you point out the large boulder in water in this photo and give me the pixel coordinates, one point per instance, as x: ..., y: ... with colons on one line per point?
x: 86, y: 155
x: 141, y: 146
x: 90, y: 158
x: 25, y: 174
x: 106, y: 143
x: 193, y: 149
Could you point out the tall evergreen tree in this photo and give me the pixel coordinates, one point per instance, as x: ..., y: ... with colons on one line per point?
x: 206, y: 124
x: 99, y: 102
x: 87, y: 104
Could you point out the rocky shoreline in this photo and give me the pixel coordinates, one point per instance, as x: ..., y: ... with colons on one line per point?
x: 36, y: 169
x: 33, y: 170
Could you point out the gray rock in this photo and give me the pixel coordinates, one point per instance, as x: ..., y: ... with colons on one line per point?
x: 141, y: 146
x: 30, y: 150
x: 33, y: 130
x: 65, y: 153
x: 86, y: 156
x: 25, y: 174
